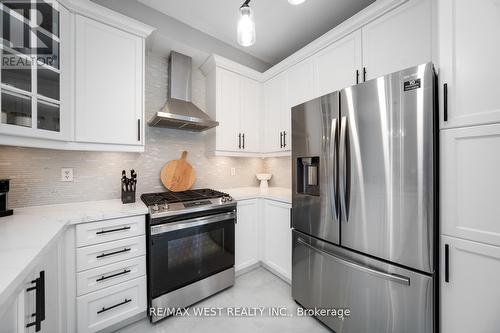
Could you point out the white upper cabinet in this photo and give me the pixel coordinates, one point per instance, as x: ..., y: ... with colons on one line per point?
x: 109, y: 84
x: 228, y: 111
x: 234, y: 99
x: 251, y: 113
x: 300, y: 82
x: 399, y: 39
x: 470, y: 289
x: 35, y: 95
x: 469, y: 62
x: 338, y: 66
x: 470, y: 183
x: 277, y: 115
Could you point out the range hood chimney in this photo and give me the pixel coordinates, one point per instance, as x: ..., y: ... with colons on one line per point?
x: 179, y: 112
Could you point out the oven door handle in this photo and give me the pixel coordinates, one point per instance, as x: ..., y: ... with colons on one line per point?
x: 184, y: 224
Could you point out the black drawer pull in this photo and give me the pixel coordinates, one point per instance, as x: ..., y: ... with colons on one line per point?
x: 39, y: 314
x: 284, y: 139
x: 102, y: 278
x: 446, y: 263
x: 114, y: 306
x: 112, y: 253
x: 111, y: 230
x: 445, y: 102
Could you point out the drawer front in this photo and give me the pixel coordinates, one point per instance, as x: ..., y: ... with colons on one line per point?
x: 108, y: 253
x: 100, y: 309
x: 109, y: 230
x: 106, y: 276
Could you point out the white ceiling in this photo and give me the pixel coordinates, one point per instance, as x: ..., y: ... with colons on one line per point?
x: 281, y: 28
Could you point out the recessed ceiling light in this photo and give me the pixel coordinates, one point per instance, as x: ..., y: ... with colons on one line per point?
x: 295, y: 2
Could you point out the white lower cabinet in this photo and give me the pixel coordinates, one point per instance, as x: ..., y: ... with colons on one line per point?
x: 277, y: 238
x: 470, y: 293
x: 110, y: 287
x: 247, y: 234
x: 112, y: 305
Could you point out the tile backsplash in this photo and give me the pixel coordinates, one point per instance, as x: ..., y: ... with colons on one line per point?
x: 35, y: 173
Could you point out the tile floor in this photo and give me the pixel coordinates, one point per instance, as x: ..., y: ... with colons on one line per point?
x: 257, y: 288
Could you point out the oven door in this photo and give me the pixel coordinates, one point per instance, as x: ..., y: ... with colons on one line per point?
x: 189, y: 250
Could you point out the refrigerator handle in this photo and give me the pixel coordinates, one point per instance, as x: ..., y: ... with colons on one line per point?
x: 345, y: 167
x: 333, y: 162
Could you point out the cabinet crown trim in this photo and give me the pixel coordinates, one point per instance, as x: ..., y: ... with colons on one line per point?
x: 108, y: 16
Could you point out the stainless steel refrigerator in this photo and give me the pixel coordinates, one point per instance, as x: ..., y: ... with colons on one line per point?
x: 364, y: 204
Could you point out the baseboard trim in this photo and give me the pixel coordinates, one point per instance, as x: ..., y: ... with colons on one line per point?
x: 266, y: 267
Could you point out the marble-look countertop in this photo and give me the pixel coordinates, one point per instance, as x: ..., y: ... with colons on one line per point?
x: 24, y: 235
x: 273, y: 193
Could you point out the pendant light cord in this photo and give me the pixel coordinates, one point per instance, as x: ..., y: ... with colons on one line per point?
x: 245, y: 4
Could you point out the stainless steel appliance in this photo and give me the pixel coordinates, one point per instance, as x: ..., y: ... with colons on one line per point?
x: 190, y: 250
x: 365, y: 223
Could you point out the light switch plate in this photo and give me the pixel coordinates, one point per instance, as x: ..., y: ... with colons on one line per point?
x: 66, y: 174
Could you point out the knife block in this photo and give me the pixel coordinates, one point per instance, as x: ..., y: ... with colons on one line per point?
x: 128, y: 196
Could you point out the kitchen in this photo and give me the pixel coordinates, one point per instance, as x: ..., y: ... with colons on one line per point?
x: 238, y: 182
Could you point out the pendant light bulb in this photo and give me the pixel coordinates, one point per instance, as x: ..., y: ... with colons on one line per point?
x: 296, y: 2
x: 246, y: 26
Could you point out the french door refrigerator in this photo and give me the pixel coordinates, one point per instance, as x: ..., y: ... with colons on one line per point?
x: 364, y: 204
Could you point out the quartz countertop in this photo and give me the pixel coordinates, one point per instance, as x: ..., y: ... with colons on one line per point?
x: 274, y: 193
x: 24, y: 235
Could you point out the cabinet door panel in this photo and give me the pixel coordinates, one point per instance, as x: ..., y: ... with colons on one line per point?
x: 228, y: 110
x: 275, y: 106
x: 470, y: 60
x: 472, y: 290
x: 109, y: 84
x: 247, y: 237
x: 251, y: 112
x: 278, y: 237
x: 470, y: 183
x: 337, y: 64
x: 300, y: 82
x: 399, y: 39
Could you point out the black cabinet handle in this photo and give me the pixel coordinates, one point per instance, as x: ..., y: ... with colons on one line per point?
x: 364, y: 74
x: 445, y: 102
x: 291, y: 214
x: 446, y: 263
x: 112, y: 253
x: 39, y: 289
x: 239, y: 140
x: 281, y: 139
x: 102, y: 278
x: 114, y: 306
x: 138, y: 130
x: 111, y: 230
x: 357, y: 76
x: 284, y: 139
x: 243, y: 136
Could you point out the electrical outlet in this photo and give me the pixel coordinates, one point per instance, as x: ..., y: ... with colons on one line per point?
x: 66, y: 174
x: 233, y: 171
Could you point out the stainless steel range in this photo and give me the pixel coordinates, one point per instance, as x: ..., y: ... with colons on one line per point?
x: 190, y: 249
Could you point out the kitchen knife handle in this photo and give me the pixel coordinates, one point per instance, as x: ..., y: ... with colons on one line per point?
x: 445, y: 102
x: 239, y: 140
x: 446, y: 263
x: 138, y: 130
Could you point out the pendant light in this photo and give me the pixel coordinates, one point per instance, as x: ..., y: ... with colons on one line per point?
x: 295, y: 2
x: 246, y: 26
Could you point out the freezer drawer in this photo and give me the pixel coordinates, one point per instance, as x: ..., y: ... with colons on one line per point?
x: 381, y: 297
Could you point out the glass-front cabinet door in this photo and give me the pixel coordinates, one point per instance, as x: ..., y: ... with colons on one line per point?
x: 32, y: 69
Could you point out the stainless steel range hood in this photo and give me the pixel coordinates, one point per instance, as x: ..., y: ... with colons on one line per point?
x: 179, y: 112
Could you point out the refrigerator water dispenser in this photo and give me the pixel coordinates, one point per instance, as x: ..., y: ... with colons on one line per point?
x: 308, y: 175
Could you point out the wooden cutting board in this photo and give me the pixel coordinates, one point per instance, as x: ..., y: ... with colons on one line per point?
x: 178, y: 175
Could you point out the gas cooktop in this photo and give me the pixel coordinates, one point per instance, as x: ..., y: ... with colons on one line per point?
x: 170, y: 203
